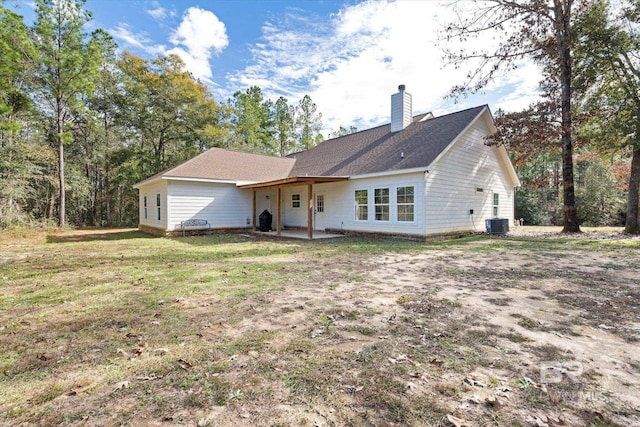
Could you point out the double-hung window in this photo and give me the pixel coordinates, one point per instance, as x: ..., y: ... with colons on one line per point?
x: 158, y: 205
x: 381, y: 202
x: 295, y: 200
x: 362, y: 205
x: 496, y: 203
x: 405, y: 203
x: 145, y: 207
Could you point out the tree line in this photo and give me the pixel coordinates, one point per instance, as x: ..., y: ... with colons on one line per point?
x: 80, y: 123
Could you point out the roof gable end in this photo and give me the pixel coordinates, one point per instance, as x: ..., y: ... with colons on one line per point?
x: 379, y: 150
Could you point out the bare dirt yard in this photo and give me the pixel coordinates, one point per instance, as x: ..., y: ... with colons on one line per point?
x: 112, y: 327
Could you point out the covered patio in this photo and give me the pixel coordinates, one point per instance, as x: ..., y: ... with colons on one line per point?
x: 294, y: 181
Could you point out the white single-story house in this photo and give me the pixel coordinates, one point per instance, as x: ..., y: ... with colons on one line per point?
x: 417, y: 176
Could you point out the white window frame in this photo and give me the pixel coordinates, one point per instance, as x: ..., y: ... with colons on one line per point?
x: 295, y: 200
x: 378, y: 202
x: 145, y: 206
x: 159, y: 206
x: 319, y: 203
x: 496, y: 204
x: 359, y: 206
x: 405, y: 204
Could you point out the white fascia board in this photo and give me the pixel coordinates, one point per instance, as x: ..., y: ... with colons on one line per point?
x: 181, y: 178
x: 509, y: 165
x: 389, y: 173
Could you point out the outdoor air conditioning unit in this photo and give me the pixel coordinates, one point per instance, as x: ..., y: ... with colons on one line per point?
x: 497, y: 225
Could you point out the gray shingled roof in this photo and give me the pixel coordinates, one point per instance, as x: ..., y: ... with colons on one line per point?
x: 379, y: 150
x: 221, y: 164
x: 370, y: 151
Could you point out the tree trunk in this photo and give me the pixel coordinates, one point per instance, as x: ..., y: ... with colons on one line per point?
x: 50, y: 203
x: 61, y: 198
x: 563, y: 13
x: 107, y: 195
x: 632, y: 224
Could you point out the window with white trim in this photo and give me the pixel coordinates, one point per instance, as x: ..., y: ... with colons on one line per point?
x: 362, y: 205
x: 320, y: 203
x: 295, y: 200
x: 496, y: 203
x: 381, y: 203
x: 405, y: 204
x: 145, y: 207
x: 158, y: 205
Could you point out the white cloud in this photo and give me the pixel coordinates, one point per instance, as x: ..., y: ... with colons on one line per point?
x: 522, y: 85
x: 159, y: 12
x: 351, y: 64
x: 197, y: 38
x: 136, y: 40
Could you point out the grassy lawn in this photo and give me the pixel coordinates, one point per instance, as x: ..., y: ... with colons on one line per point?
x: 114, y: 327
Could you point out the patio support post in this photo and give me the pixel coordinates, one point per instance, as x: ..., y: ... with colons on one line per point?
x: 278, y: 213
x: 254, y: 210
x: 310, y: 211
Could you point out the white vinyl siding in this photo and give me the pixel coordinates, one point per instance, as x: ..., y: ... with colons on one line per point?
x: 347, y: 201
x: 293, y: 217
x: 352, y: 204
x: 149, y: 214
x: 464, y: 179
x: 222, y: 205
x: 455, y: 194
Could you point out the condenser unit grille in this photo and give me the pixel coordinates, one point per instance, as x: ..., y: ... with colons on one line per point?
x: 497, y: 225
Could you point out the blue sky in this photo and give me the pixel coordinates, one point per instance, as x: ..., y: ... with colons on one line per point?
x: 349, y: 56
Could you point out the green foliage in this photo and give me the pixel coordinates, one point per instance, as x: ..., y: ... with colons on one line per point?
x: 65, y: 66
x: 599, y: 194
x: 80, y: 124
x: 253, y: 128
x: 168, y: 113
x: 284, y: 125
x: 342, y: 131
x: 16, y: 48
x: 608, y: 74
x: 537, y: 202
x: 309, y: 123
x: 18, y: 164
x: 599, y: 198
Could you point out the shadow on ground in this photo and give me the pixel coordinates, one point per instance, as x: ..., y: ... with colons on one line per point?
x: 96, y: 234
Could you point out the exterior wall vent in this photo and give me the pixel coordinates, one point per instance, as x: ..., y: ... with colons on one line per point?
x: 401, y: 110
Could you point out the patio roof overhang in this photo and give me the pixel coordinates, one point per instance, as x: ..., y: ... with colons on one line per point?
x: 291, y: 181
x: 295, y: 181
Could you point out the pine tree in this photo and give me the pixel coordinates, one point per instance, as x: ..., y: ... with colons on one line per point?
x: 66, y: 64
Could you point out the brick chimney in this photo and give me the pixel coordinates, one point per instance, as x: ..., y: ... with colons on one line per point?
x: 401, y: 113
